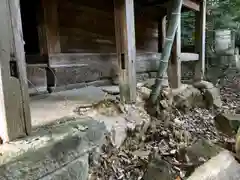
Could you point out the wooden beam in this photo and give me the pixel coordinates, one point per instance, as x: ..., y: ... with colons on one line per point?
x: 200, y: 41
x: 51, y: 26
x: 144, y: 61
x: 126, y: 50
x: 49, y: 35
x: 15, y: 118
x: 193, y: 5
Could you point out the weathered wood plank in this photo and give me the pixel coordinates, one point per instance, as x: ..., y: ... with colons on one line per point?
x: 109, y: 59
x: 18, y: 45
x: 77, y: 68
x: 50, y: 9
x: 126, y: 48
x: 87, y: 28
x: 36, y: 59
x: 51, y: 34
x: 14, y: 109
x: 200, y: 41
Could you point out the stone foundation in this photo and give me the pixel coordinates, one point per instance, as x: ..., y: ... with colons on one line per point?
x: 59, y: 151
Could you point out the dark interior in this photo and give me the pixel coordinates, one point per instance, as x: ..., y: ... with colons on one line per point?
x: 29, y: 11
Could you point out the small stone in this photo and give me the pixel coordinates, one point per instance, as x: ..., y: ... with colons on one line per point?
x: 118, y: 134
x: 145, y: 92
x: 164, y: 104
x: 141, y: 154
x: 178, y: 122
x: 173, y: 151
x: 227, y: 123
x: 149, y: 83
x: 163, y: 146
x: 164, y: 133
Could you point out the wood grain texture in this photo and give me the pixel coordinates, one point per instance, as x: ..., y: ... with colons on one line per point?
x: 89, y: 28
x: 19, y: 53
x: 51, y: 28
x: 13, y: 98
x: 126, y: 49
x: 79, y: 67
x: 200, y: 40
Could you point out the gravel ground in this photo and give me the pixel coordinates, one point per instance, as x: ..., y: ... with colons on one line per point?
x: 131, y: 159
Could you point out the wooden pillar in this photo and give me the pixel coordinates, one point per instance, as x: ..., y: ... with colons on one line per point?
x: 49, y: 35
x: 175, y: 61
x: 126, y: 50
x: 200, y: 41
x: 15, y: 120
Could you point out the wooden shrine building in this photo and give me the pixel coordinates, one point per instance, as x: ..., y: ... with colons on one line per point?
x: 75, y: 41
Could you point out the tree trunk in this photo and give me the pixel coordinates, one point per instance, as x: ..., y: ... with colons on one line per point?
x: 171, y: 31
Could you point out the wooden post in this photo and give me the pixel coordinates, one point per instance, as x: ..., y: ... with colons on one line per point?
x: 15, y: 118
x: 49, y: 35
x: 126, y: 50
x: 200, y: 41
x: 175, y: 61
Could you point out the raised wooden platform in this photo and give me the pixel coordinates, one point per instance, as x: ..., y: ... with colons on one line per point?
x: 145, y: 61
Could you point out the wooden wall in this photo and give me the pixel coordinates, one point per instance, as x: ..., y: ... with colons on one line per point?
x: 88, y: 26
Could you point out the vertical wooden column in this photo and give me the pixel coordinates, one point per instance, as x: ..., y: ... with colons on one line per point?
x: 200, y: 41
x: 49, y: 35
x: 15, y: 118
x: 175, y: 62
x: 126, y: 50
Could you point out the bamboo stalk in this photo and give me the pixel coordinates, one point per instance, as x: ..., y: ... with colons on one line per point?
x: 171, y: 31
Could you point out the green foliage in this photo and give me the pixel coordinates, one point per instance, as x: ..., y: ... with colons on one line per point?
x: 221, y: 14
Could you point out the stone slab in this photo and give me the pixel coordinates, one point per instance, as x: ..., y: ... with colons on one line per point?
x: 57, y: 146
x: 221, y: 167
x: 227, y: 123
x: 76, y: 170
x: 61, y: 104
x: 114, y: 90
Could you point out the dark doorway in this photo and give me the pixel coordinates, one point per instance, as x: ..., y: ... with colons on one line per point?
x: 29, y: 11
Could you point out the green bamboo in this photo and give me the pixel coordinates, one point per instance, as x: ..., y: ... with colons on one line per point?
x: 175, y: 16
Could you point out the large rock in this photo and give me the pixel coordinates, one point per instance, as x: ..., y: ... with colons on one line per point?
x: 149, y: 83
x: 158, y: 169
x: 145, y: 92
x: 187, y: 98
x: 221, y: 167
x: 227, y: 123
x: 60, y: 151
x: 210, y: 92
x: 202, y: 150
x: 75, y: 170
